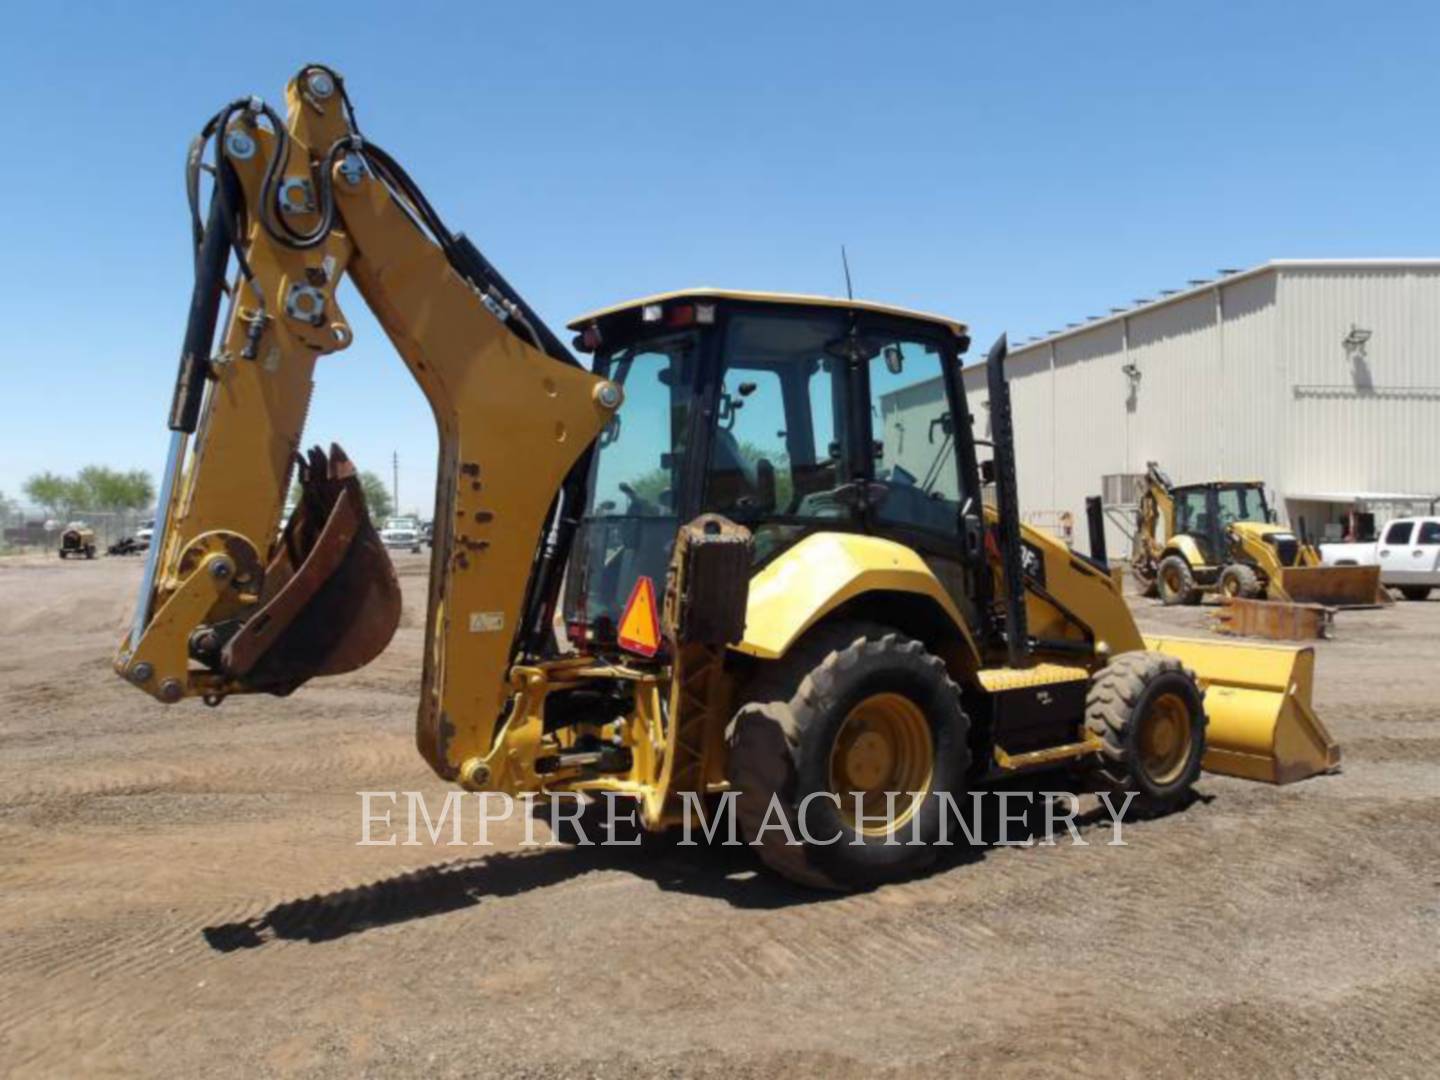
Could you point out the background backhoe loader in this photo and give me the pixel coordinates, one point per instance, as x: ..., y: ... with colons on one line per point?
x: 1221, y: 536
x: 768, y: 591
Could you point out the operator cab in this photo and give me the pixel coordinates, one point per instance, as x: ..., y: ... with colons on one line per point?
x: 786, y: 414
x: 1205, y: 511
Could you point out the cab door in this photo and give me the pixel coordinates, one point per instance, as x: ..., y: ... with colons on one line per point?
x: 921, y: 487
x: 1396, y: 552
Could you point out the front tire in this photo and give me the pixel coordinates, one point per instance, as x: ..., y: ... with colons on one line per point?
x: 1239, y: 581
x: 1175, y: 582
x: 1415, y: 592
x: 852, y: 712
x: 1150, y: 715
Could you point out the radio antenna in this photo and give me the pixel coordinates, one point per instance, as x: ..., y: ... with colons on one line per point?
x: 845, y: 262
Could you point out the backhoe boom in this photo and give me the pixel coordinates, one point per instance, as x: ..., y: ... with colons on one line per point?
x: 224, y: 607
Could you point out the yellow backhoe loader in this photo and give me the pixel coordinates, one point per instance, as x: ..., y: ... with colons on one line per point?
x: 1222, y: 537
x: 748, y: 578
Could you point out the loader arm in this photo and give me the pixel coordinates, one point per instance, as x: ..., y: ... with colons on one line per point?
x: 227, y: 608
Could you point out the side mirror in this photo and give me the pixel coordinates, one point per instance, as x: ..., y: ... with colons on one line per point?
x: 894, y: 359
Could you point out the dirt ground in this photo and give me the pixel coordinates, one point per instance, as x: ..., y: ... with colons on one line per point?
x: 181, y: 892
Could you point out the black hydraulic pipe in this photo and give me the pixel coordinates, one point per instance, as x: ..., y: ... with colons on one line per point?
x: 1007, y: 504
x: 1095, y: 517
x: 468, y: 261
x: 210, y: 262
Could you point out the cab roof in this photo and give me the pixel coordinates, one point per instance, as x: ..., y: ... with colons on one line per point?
x: 959, y: 329
x: 1218, y: 484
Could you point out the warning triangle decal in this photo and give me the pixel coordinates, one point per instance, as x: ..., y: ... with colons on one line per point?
x: 640, y: 625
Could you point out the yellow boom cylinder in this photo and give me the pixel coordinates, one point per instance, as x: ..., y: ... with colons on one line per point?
x: 1258, y: 700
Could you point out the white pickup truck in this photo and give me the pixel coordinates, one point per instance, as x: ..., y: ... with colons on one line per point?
x: 401, y: 532
x: 1408, y: 554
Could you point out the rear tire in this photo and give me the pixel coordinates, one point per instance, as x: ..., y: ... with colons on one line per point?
x: 1175, y: 582
x: 1149, y: 713
x: 854, y: 707
x: 89, y: 552
x: 1415, y: 592
x: 1239, y: 581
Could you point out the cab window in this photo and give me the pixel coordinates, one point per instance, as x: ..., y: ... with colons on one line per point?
x: 640, y: 453
x: 915, y: 463
x: 777, y: 445
x: 1241, y: 504
x: 1191, y: 515
x: 1399, y: 532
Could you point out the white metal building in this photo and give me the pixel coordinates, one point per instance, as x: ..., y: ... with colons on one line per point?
x: 1320, y: 377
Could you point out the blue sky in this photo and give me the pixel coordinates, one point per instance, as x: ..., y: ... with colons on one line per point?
x: 1018, y: 166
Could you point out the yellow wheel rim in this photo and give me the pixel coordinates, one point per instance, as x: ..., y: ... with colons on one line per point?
x: 884, y: 745
x: 1231, y: 586
x: 1165, y: 738
x: 1172, y: 580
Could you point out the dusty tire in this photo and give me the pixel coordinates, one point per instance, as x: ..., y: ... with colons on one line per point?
x: 783, y: 747
x: 1149, y: 713
x: 1175, y: 582
x: 1415, y: 592
x: 1239, y: 581
x: 89, y: 552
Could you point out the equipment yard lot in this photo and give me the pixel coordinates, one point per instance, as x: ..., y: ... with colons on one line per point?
x: 181, y: 891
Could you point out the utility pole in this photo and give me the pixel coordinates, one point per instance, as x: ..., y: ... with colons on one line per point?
x: 395, y: 480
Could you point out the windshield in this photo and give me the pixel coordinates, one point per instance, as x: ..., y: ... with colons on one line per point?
x: 629, y: 529
x: 1242, y: 504
x: 641, y: 454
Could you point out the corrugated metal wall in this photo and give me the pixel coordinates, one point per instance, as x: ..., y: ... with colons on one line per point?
x: 1252, y: 379
x: 1254, y: 385
x: 1364, y: 417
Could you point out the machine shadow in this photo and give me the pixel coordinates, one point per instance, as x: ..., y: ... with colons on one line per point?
x: 726, y: 873
x: 717, y: 871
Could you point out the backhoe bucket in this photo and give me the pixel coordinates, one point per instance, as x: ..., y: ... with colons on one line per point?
x: 1333, y: 586
x: 331, y: 601
x: 1257, y: 698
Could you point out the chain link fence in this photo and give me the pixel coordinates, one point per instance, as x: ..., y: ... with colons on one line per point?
x: 28, y: 530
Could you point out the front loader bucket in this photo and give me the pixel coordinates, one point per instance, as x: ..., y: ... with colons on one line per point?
x: 1257, y: 698
x: 1333, y: 586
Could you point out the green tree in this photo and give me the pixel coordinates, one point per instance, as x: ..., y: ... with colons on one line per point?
x: 110, y: 489
x: 55, y: 494
x: 377, y: 496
